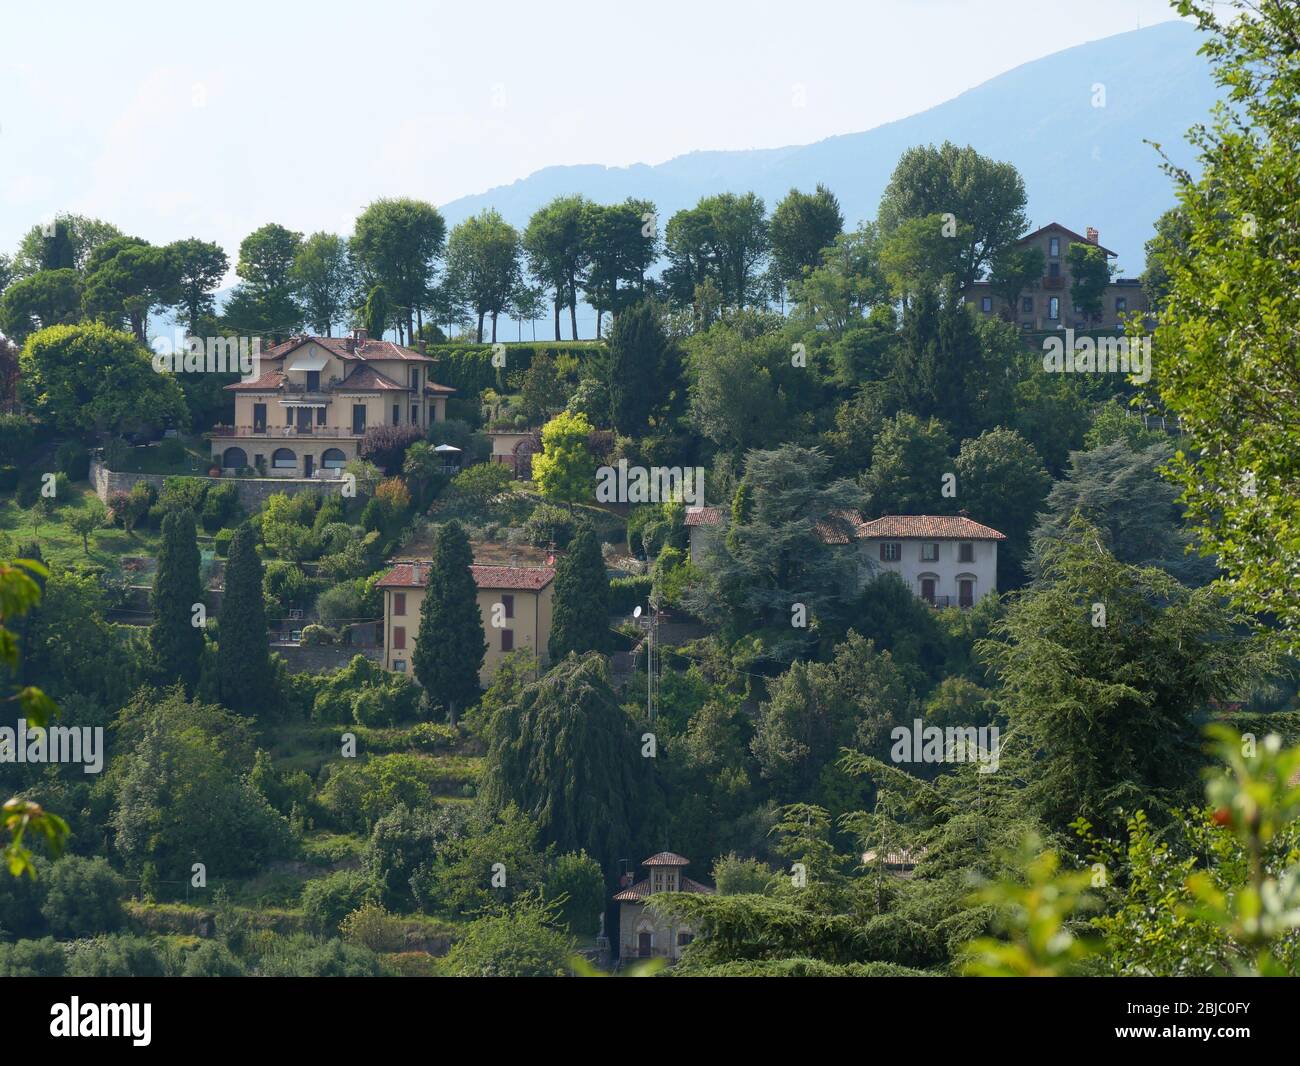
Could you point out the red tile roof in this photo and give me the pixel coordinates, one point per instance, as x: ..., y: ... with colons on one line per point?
x: 1079, y: 238
x: 528, y: 578
x: 930, y: 527
x: 641, y: 890
x: 703, y: 516
x: 839, y: 528
x: 368, y: 379
x: 372, y: 349
x: 666, y: 858
x: 269, y: 381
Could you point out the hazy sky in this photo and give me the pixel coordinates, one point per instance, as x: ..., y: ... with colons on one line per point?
x: 176, y: 120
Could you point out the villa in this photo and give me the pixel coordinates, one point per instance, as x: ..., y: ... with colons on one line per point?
x: 306, y: 411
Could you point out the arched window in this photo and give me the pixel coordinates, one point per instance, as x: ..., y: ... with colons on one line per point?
x: 234, y: 459
x: 284, y: 459
x: 333, y: 459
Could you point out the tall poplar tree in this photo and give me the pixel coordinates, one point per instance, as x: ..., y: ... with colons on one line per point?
x: 243, y: 661
x: 450, y: 647
x: 176, y: 642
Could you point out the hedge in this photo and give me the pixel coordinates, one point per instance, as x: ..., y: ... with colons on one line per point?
x: 626, y: 592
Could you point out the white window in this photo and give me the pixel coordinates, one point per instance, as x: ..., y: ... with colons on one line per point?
x: 890, y: 552
x: 930, y: 551
x: 986, y: 303
x: 1054, y: 308
x: 399, y: 665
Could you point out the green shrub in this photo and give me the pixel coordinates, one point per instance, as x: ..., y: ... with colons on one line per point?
x: 212, y: 959
x: 333, y: 958
x: 32, y: 958
x: 221, y: 507
x: 625, y: 593
x: 115, y: 956
x: 73, y: 459
x: 83, y: 897
x: 548, y: 525
x: 326, y: 901
x: 221, y: 541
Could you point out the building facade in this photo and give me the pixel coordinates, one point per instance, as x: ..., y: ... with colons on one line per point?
x: 306, y: 411
x: 1047, y: 304
x: 643, y: 934
x: 515, y: 603
x: 946, y: 561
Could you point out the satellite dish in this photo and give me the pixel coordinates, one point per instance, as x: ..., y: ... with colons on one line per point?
x: 636, y: 612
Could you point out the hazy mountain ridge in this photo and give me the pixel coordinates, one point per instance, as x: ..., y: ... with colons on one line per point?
x: 1083, y: 165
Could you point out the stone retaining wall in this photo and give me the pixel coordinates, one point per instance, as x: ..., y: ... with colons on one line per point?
x: 253, y: 491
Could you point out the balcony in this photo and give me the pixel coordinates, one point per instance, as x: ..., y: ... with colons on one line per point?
x: 1055, y: 284
x: 948, y: 601
x: 284, y: 432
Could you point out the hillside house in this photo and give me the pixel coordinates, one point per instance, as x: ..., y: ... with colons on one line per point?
x: 305, y: 413
x: 642, y: 934
x: 519, y: 597
x: 946, y: 560
x: 1047, y: 304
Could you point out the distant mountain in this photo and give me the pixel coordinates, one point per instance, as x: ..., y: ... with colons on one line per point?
x: 1083, y: 165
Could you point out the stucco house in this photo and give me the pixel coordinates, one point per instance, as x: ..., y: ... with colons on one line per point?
x: 517, y: 597
x: 643, y: 934
x: 306, y: 411
x: 1046, y: 303
x: 946, y: 560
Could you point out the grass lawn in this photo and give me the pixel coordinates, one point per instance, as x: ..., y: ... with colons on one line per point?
x: 149, y: 459
x: 59, y: 544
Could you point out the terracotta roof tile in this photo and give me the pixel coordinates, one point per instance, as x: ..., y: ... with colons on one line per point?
x: 270, y: 379
x: 666, y: 858
x: 372, y: 349
x: 641, y: 890
x: 528, y: 578
x: 703, y: 516
x: 938, y: 527
x: 368, y: 379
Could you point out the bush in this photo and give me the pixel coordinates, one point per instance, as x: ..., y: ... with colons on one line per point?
x: 115, y: 956
x: 372, y: 927
x: 182, y: 493
x: 518, y: 943
x: 221, y: 541
x: 212, y: 959
x: 625, y: 593
x: 328, y: 900
x: 73, y: 459
x: 32, y: 958
x: 21, y: 899
x: 549, y: 525
x: 333, y: 958
x: 172, y: 452
x: 578, y: 877
x: 479, y: 485
x: 316, y: 636
x: 221, y: 507
x: 83, y: 897
x: 385, y: 446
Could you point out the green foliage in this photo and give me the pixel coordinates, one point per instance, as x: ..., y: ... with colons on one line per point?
x: 244, y: 669
x: 450, y: 646
x: 83, y: 898
x: 580, y: 606
x: 326, y: 901
x: 521, y: 942
x: 564, y: 471
x: 176, y: 642
x: 576, y: 885
x: 32, y: 958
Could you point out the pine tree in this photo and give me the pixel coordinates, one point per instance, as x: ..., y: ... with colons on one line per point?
x: 243, y: 662
x: 580, y: 619
x: 176, y: 641
x: 450, y: 647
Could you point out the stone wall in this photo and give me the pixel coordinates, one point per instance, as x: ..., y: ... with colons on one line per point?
x: 253, y: 491
x: 320, y: 658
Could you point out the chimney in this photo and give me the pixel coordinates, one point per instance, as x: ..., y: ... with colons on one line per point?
x: 1092, y: 235
x: 359, y: 337
x: 349, y: 344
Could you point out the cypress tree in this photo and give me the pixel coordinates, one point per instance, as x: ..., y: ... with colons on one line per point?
x: 243, y: 661
x: 176, y: 642
x: 450, y: 647
x: 580, y: 618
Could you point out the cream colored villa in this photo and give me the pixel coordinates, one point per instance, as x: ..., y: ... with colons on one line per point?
x: 513, y: 601
x: 304, y: 415
x: 643, y: 933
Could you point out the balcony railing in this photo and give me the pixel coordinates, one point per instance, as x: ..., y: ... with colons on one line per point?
x: 1054, y: 284
x: 283, y: 432
x: 948, y: 601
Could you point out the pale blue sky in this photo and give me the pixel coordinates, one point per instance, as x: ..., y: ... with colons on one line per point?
x: 176, y: 120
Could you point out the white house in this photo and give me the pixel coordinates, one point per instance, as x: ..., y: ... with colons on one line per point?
x: 946, y: 561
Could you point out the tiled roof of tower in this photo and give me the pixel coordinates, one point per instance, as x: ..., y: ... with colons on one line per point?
x: 527, y: 578
x: 929, y: 527
x: 666, y: 858
x: 641, y: 890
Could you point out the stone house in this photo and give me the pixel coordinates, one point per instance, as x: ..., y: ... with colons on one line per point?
x: 1047, y: 304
